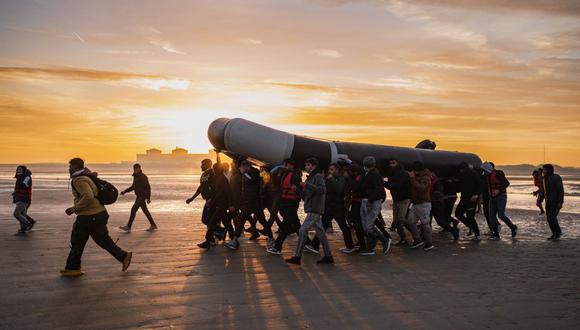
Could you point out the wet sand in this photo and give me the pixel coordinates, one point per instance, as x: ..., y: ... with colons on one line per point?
x: 523, y: 283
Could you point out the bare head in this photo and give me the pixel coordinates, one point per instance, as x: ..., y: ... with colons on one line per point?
x: 311, y: 164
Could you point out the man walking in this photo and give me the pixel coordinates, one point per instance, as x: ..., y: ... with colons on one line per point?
x: 554, y: 189
x: 497, y: 183
x: 142, y: 191
x: 22, y: 197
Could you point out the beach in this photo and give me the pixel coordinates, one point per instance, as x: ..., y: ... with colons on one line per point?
x: 526, y: 282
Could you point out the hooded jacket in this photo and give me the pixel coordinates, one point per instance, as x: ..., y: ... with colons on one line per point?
x: 554, y: 189
x: 314, y: 193
x: 372, y: 186
x: 335, y: 191
x: 23, y: 187
x: 140, y: 186
x: 421, y: 187
x: 84, y: 192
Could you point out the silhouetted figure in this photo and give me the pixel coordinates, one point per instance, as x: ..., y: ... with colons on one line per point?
x: 540, y: 193
x: 554, y: 189
x: 142, y: 190
x: 22, y: 197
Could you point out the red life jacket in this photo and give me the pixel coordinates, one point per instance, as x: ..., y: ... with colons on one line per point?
x: 494, y: 183
x: 355, y: 197
x: 287, y: 191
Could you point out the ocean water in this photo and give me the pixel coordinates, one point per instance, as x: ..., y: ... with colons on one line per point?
x: 170, y: 189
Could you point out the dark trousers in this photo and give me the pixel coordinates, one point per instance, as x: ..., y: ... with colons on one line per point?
x: 220, y: 214
x: 140, y: 203
x: 206, y: 212
x: 358, y: 227
x: 497, y: 206
x: 94, y: 226
x: 338, y: 213
x: 246, y: 213
x: 486, y: 204
x: 438, y: 213
x: 290, y: 222
x: 465, y: 212
x: 552, y: 212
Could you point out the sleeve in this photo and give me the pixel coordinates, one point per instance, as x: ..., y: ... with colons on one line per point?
x: 317, y: 185
x: 130, y: 188
x: 560, y: 189
x: 505, y: 180
x: 147, y: 188
x: 86, y: 196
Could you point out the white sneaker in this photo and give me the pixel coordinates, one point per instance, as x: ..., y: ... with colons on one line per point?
x: 273, y: 250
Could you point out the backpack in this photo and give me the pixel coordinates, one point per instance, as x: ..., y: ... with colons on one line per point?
x: 107, y: 193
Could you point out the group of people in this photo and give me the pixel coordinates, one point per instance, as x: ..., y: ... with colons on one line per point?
x: 350, y: 194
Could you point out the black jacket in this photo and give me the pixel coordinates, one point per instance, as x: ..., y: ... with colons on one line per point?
x: 206, y: 184
x: 372, y: 186
x: 236, y: 188
x: 23, y: 188
x: 251, y: 186
x: 503, y: 183
x: 469, y: 184
x: 554, y: 189
x: 399, y: 184
x: 335, y: 191
x: 222, y: 195
x: 140, y: 186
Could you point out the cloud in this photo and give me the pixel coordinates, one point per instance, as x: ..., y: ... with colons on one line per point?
x: 166, y: 46
x: 146, y: 81
x: 329, y: 53
x: 251, y: 41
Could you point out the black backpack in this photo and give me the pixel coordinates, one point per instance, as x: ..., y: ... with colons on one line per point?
x: 107, y: 193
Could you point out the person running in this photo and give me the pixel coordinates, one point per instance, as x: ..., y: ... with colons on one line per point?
x: 554, y: 189
x: 335, y: 207
x: 22, y: 197
x: 142, y: 190
x: 399, y: 184
x: 314, y: 191
x: 420, y: 209
x: 250, y: 206
x: 222, y: 201
x: 470, y: 189
x: 539, y: 194
x: 372, y: 191
x: 92, y: 218
x: 498, y: 183
x: 291, y: 192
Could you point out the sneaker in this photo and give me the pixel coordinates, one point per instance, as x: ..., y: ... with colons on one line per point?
x: 270, y: 242
x: 273, y: 250
x: 22, y: 231
x: 310, y: 248
x: 469, y: 233
x: 71, y: 272
x: 428, y: 247
x: 367, y: 253
x: 255, y: 236
x: 127, y: 260
x: 514, y: 231
x: 232, y: 245
x: 348, y: 251
x: 494, y: 237
x: 329, y: 230
x: 151, y: 228
x: 125, y: 228
x: 31, y: 224
x: 387, y: 246
x: 204, y: 245
x: 293, y: 260
x: 402, y: 242
x: 326, y: 260
x: 417, y: 245
x: 551, y: 238
x: 557, y: 237
x: 477, y: 237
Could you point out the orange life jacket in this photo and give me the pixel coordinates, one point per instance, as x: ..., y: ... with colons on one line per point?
x: 287, y: 191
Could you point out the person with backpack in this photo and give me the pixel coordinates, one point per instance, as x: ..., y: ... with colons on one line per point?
x: 22, y: 197
x: 142, y: 191
x: 89, y: 194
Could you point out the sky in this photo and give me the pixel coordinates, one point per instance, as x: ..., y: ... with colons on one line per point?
x: 106, y: 80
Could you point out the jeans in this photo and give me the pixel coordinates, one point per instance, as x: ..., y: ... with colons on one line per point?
x: 312, y: 220
x: 338, y: 213
x: 140, y: 203
x: 369, y: 213
x: 357, y: 224
x: 497, y: 206
x: 21, y: 216
x: 400, y: 210
x: 94, y: 226
x: 421, y: 212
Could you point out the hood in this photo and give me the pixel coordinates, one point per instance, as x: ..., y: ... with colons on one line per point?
x: 85, y: 171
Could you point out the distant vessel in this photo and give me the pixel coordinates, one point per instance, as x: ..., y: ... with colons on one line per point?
x: 177, y: 158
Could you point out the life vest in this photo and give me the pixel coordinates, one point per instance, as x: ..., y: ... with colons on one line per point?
x: 355, y: 197
x: 287, y: 191
x: 494, y: 183
x: 22, y: 188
